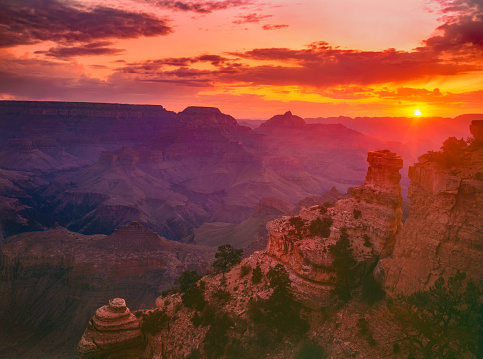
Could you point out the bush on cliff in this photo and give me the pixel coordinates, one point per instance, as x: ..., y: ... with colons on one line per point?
x: 452, y: 153
x: 320, y: 227
x: 280, y: 313
x: 443, y: 322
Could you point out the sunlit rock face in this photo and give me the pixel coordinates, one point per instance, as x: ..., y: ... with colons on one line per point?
x: 371, y: 217
x: 444, y: 231
x: 113, y: 332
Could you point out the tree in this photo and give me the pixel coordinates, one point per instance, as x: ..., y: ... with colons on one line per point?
x: 282, y: 309
x: 226, y: 257
x: 443, y: 322
x: 343, y: 265
x: 187, y: 280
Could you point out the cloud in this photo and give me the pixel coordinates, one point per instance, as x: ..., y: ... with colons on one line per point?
x: 32, y: 21
x: 250, y: 18
x: 201, y: 7
x: 274, y: 27
x: 462, y: 29
x: 92, y: 49
x: 318, y: 66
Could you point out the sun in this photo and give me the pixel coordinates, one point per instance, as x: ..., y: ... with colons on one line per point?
x: 417, y: 112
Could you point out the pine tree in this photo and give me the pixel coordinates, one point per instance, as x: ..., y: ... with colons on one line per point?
x: 343, y: 265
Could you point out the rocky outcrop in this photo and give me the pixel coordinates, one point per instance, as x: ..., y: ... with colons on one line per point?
x: 113, y: 332
x: 371, y: 217
x: 444, y: 231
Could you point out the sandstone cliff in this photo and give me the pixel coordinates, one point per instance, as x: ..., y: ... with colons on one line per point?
x: 444, y: 231
x: 372, y: 217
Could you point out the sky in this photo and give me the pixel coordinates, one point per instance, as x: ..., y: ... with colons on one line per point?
x: 250, y: 58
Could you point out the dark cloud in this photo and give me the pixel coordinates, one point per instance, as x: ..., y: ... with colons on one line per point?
x: 156, y: 66
x: 32, y: 21
x: 201, y: 7
x: 250, y: 18
x: 462, y: 29
x: 274, y: 27
x: 317, y: 66
x: 92, y: 49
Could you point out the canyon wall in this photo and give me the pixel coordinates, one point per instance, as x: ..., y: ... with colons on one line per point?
x: 444, y: 231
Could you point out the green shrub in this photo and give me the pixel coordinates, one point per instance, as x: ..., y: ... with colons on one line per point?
x: 357, y: 214
x: 257, y: 274
x: 367, y: 240
x: 297, y: 222
x: 311, y: 350
x: 216, y: 337
x: 196, y: 319
x: 187, y: 280
x: 154, y: 321
x: 208, y: 315
x: 195, y: 354
x: 320, y: 227
x: 223, y: 296
x: 194, y: 298
x: 443, y: 322
x: 245, y: 269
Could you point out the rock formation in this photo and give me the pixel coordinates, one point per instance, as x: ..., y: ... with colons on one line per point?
x: 444, y: 231
x: 372, y: 217
x: 113, y: 332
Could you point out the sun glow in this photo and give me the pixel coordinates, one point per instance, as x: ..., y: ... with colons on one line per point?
x: 417, y: 113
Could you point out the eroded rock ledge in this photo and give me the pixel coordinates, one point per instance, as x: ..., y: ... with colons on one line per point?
x: 372, y: 217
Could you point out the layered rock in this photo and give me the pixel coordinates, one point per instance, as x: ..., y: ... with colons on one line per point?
x: 371, y: 217
x: 444, y: 231
x: 113, y: 332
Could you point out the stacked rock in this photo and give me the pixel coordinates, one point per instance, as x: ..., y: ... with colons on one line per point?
x: 113, y: 332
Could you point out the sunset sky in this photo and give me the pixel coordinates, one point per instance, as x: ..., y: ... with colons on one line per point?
x: 250, y: 58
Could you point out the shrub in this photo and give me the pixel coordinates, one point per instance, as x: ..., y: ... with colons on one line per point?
x: 444, y: 321
x: 396, y: 349
x: 257, y: 274
x: 297, y: 222
x: 154, y: 321
x: 195, y: 354
x: 187, y: 280
x: 222, y: 295
x: 322, y: 209
x: 357, y: 214
x: 367, y: 240
x: 196, y: 319
x: 194, y: 298
x: 245, y: 269
x: 311, y: 350
x: 320, y: 227
x: 208, y: 315
x: 216, y: 338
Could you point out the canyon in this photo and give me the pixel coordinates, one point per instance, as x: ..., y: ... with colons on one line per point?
x: 101, y: 201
